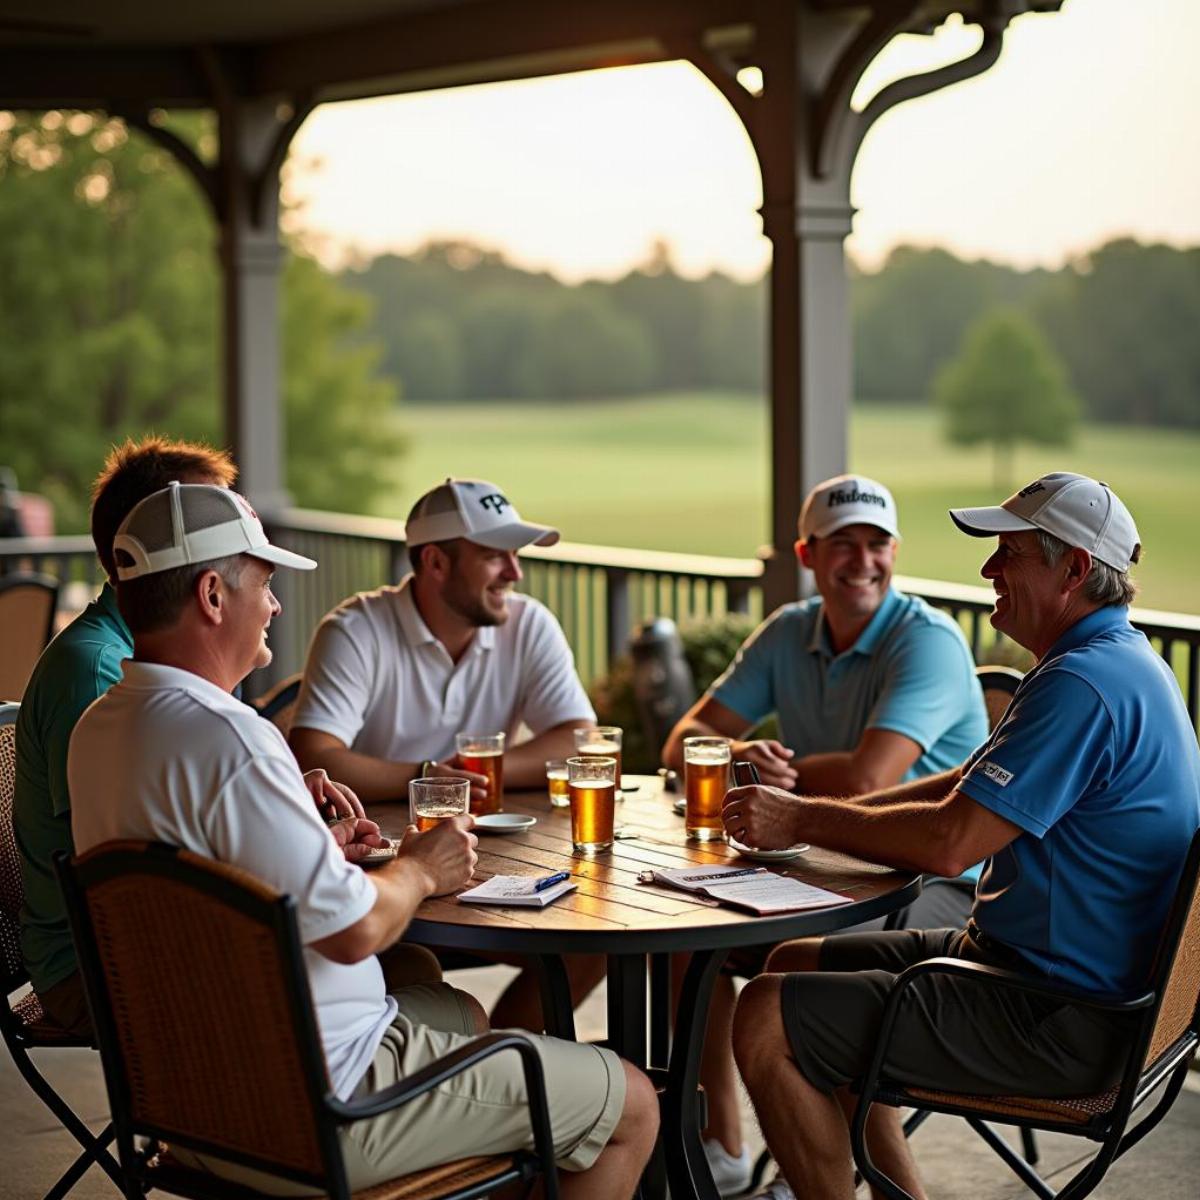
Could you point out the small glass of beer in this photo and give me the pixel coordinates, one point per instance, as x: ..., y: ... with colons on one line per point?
x: 556, y: 783
x: 592, y: 785
x: 432, y: 801
x: 706, y: 780
x: 600, y: 741
x: 484, y: 754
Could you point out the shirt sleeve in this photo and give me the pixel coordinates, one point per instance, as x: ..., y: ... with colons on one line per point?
x: 265, y: 822
x: 336, y: 691
x: 925, y: 687
x: 747, y: 686
x: 95, y: 673
x: 1054, y: 745
x: 550, y: 691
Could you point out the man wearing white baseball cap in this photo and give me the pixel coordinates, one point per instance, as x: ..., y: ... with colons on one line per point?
x: 168, y: 754
x: 1082, y: 802
x: 870, y: 687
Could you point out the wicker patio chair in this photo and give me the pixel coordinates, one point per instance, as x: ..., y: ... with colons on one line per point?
x: 196, y: 979
x: 1162, y: 1041
x: 27, y: 607
x: 22, y: 1023
x: 279, y: 704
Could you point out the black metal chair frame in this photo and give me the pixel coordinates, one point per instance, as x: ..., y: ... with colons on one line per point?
x: 1110, y: 1128
x: 21, y: 1038
x: 141, y: 1171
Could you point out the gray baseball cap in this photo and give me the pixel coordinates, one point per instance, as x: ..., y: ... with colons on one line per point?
x: 1077, y: 510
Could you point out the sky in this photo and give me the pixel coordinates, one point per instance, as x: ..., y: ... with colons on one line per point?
x: 1084, y: 130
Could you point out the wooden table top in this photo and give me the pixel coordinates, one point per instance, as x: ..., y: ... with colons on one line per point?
x: 610, y: 912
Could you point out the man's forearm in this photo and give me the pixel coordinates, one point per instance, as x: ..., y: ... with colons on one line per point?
x: 929, y: 789
x: 373, y: 779
x: 525, y: 765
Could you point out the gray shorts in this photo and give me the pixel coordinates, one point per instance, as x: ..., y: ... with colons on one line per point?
x: 952, y: 1034
x: 480, y: 1111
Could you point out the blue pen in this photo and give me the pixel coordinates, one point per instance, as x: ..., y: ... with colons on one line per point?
x: 551, y: 880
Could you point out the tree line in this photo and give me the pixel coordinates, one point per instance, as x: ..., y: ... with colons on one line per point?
x: 458, y: 322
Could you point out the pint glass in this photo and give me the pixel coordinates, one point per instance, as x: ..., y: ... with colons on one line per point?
x: 601, y: 741
x: 556, y: 783
x: 592, y: 786
x: 706, y: 780
x: 484, y: 754
x: 432, y: 801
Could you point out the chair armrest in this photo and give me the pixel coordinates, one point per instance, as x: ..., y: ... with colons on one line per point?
x: 446, y: 1067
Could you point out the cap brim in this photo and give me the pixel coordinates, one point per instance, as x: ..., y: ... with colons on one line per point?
x: 515, y: 536
x: 283, y: 558
x: 988, y: 522
x: 842, y: 520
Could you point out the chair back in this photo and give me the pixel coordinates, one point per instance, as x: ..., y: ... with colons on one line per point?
x: 999, y: 684
x: 279, y: 704
x: 195, y: 975
x: 27, y: 607
x: 12, y: 966
x: 1177, y: 970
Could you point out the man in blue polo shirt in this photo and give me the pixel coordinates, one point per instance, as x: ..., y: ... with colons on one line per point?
x: 870, y: 688
x: 1083, y: 802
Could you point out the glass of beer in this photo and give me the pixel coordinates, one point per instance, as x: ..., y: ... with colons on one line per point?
x: 600, y: 741
x: 591, y: 782
x: 484, y: 754
x: 556, y: 783
x: 432, y: 801
x: 706, y: 780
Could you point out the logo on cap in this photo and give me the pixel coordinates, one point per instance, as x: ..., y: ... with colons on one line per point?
x: 854, y: 496
x: 496, y: 502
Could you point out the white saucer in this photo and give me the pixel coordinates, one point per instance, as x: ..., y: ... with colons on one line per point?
x: 504, y: 823
x: 770, y: 855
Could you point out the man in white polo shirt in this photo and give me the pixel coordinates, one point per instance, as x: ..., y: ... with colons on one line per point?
x: 393, y: 675
x: 168, y: 754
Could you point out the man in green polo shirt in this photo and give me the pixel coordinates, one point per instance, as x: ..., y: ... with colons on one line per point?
x: 81, y: 664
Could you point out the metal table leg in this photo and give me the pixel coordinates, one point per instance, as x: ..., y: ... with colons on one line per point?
x: 688, y: 1173
x: 627, y: 1007
x: 558, y: 1012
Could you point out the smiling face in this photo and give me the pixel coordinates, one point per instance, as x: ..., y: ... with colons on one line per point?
x: 479, y: 583
x: 853, y: 570
x: 1030, y: 596
x: 251, y: 606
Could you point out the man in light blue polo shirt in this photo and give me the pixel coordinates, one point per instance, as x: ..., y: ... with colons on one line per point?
x: 1083, y: 803
x: 870, y: 688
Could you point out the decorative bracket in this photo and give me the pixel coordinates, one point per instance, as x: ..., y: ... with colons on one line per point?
x: 203, y: 175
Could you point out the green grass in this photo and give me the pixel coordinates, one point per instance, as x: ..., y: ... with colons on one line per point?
x: 691, y: 473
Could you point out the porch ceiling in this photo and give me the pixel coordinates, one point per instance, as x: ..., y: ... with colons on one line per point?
x: 114, y: 53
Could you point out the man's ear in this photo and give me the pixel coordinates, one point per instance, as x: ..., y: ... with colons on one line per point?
x: 804, y: 553
x: 1078, y: 566
x: 209, y: 590
x: 435, y: 561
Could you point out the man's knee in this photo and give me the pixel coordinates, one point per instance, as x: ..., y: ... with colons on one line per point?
x: 639, y: 1116
x: 474, y: 1010
x: 758, y: 1024
x: 405, y: 964
x: 804, y: 954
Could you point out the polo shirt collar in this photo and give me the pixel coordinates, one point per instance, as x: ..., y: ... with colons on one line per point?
x: 417, y: 633
x: 158, y: 675
x: 106, y: 605
x: 866, y: 641
x: 1112, y: 616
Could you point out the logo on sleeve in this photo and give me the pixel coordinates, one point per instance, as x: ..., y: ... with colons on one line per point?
x: 996, y: 773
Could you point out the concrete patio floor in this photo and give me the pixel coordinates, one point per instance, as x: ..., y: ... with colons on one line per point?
x: 34, y: 1150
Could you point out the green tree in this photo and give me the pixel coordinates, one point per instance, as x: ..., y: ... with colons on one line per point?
x: 1006, y: 386
x: 109, y: 286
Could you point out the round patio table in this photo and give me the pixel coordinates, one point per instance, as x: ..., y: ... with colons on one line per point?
x: 636, y: 925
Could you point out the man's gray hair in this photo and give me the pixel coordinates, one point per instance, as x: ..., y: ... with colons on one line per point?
x: 1104, y: 585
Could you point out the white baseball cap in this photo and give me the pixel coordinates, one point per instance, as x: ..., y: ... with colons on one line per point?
x: 1077, y: 510
x: 188, y: 523
x: 847, y: 500
x: 475, y: 510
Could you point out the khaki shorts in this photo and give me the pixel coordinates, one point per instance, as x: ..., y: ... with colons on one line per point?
x: 481, y: 1111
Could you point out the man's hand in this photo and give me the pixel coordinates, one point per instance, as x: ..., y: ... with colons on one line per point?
x: 452, y: 769
x: 761, y: 817
x: 773, y: 760
x: 357, y: 837
x: 333, y: 800
x: 446, y: 853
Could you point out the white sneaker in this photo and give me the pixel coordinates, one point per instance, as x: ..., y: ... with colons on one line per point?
x: 731, y: 1172
x: 777, y: 1189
